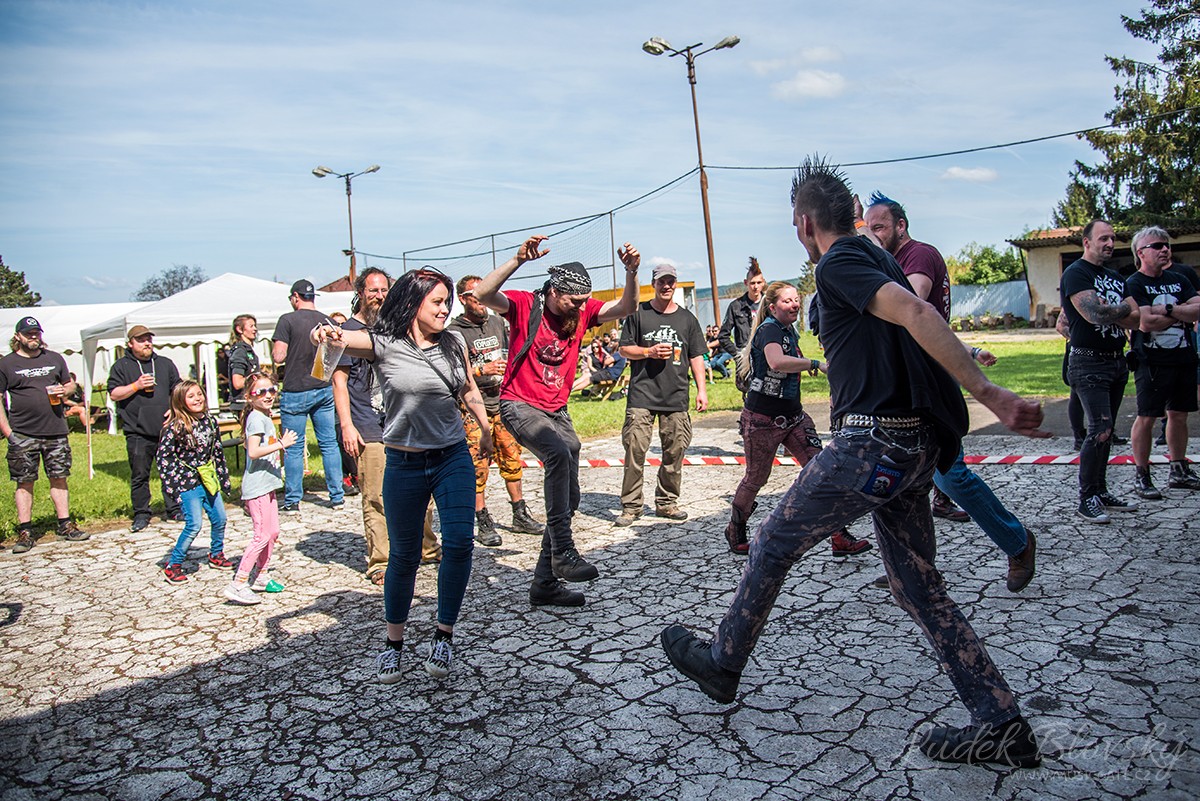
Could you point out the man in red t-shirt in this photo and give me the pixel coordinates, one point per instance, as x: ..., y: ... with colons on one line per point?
x: 537, y: 383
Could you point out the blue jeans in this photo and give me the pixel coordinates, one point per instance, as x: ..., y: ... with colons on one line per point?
x: 551, y: 437
x: 1100, y: 384
x: 719, y: 361
x: 194, y: 503
x: 887, y: 475
x: 294, y: 409
x: 977, y: 499
x: 409, y: 481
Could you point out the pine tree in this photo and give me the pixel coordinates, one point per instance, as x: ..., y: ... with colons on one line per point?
x: 14, y: 289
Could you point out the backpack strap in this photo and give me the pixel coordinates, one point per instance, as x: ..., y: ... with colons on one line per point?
x: 535, y: 320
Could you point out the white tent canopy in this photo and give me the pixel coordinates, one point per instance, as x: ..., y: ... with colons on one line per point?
x: 201, y: 317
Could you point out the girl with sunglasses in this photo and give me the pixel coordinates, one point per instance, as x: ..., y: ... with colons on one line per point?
x: 263, y: 476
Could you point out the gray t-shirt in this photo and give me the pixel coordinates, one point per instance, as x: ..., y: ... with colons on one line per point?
x: 266, y: 474
x: 419, y: 409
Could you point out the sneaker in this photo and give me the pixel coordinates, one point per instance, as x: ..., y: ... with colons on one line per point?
x: 290, y: 509
x: 139, y: 523
x: 671, y: 512
x: 1092, y: 509
x: 349, y: 487
x: 845, y: 544
x: 1021, y: 566
x: 335, y: 506
x: 387, y: 665
x: 1182, y: 477
x: 263, y: 584
x: 175, y: 517
x: 485, y: 530
x: 441, y: 656
x: 1012, y: 744
x: 174, y: 574
x: 1143, y: 487
x: 570, y: 566
x: 554, y: 593
x: 241, y: 594
x: 70, y: 531
x: 24, y: 541
x: 692, y: 657
x: 626, y: 518
x: 218, y: 560
x: 1115, y: 504
x: 523, y: 521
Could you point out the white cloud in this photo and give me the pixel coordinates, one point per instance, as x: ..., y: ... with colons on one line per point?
x: 810, y: 83
x: 104, y: 282
x: 812, y: 55
x: 975, y: 174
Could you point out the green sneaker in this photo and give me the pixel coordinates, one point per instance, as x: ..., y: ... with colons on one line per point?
x: 271, y: 586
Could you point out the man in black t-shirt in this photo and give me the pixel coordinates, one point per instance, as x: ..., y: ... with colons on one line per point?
x: 241, y: 358
x: 34, y: 383
x: 662, y: 341
x: 1166, y: 358
x: 897, y: 415
x: 303, y: 397
x: 1098, y: 311
x: 140, y: 383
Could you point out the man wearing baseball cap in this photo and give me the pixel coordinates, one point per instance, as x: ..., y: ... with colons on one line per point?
x: 140, y: 383
x: 33, y: 383
x: 303, y: 397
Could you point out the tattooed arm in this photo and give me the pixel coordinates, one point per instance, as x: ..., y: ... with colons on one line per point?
x: 474, y: 403
x: 1096, y: 311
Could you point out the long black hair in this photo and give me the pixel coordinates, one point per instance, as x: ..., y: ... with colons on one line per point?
x: 399, y: 309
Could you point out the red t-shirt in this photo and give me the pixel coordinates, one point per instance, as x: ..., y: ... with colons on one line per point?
x: 543, y: 378
x: 918, y: 257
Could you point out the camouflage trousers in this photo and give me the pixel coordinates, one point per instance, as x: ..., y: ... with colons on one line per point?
x: 886, y: 474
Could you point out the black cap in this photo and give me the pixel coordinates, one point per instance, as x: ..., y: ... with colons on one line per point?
x: 27, y: 324
x: 304, y: 289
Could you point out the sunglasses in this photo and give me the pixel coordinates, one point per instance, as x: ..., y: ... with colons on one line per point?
x: 1156, y: 246
x: 263, y: 392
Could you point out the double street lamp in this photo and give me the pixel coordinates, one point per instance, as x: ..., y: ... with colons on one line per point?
x: 656, y: 46
x: 321, y: 172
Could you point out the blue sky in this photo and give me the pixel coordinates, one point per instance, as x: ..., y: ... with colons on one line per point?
x: 140, y: 135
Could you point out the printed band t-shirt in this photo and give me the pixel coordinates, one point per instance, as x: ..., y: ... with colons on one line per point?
x: 662, y: 385
x: 265, y: 474
x: 486, y: 342
x: 1081, y: 276
x: 543, y: 378
x: 1172, y: 345
x: 772, y: 392
x: 23, y: 383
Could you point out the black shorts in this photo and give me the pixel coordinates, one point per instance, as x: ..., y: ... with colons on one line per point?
x: 1162, y: 387
x: 25, y: 452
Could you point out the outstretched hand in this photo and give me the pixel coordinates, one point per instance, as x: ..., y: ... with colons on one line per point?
x: 529, y: 249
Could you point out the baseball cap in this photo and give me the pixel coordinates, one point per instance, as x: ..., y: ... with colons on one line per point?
x: 27, y: 324
x: 304, y: 289
x: 663, y: 269
x: 139, y: 330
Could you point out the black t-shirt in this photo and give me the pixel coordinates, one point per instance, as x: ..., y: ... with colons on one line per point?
x: 876, y: 367
x: 1172, y: 345
x: 242, y: 361
x: 23, y: 383
x: 486, y: 342
x: 1081, y: 276
x: 293, y: 328
x: 366, y: 397
x: 142, y: 412
x: 771, y: 392
x: 662, y: 385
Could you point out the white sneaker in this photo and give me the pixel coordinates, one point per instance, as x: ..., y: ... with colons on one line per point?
x: 441, y: 656
x: 387, y: 666
x: 241, y: 594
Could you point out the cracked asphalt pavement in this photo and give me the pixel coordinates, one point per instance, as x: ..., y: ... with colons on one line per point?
x: 116, y: 684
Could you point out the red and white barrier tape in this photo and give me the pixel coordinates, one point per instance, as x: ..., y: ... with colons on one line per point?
x: 788, y: 461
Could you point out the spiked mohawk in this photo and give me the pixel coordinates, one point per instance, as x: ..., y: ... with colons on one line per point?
x: 820, y: 190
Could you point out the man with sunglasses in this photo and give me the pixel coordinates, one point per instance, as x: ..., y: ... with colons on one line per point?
x: 1165, y: 357
x: 546, y: 331
x: 140, y: 383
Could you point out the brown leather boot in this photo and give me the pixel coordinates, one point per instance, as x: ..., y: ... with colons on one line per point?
x: 846, y: 544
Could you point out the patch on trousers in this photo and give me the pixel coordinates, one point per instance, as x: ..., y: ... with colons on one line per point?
x: 813, y: 440
x: 883, y: 481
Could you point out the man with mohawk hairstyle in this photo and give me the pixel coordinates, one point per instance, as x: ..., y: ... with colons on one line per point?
x: 739, y: 315
x: 896, y: 420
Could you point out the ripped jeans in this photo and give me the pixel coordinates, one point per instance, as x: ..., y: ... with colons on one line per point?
x: 1100, y: 384
x: 886, y: 474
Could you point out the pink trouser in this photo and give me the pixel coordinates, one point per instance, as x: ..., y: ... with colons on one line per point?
x: 264, y: 513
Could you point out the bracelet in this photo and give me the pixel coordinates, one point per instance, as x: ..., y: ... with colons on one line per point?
x: 975, y: 352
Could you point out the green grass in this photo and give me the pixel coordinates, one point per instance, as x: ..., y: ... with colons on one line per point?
x: 1029, y: 367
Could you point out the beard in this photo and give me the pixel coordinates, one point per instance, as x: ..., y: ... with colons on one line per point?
x: 569, y: 321
x: 370, y: 315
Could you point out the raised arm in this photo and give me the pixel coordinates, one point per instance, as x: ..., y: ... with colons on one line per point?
x: 627, y: 303
x: 487, y: 291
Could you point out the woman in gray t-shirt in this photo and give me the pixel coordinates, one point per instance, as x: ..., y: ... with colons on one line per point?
x: 422, y: 371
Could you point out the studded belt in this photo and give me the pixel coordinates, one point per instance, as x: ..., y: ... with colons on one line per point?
x: 872, y: 421
x: 1097, y: 354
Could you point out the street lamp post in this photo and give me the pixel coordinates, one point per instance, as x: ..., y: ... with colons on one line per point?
x: 656, y: 46
x: 321, y: 172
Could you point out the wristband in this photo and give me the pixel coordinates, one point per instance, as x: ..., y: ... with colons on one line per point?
x: 975, y: 352
x: 1170, y: 308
